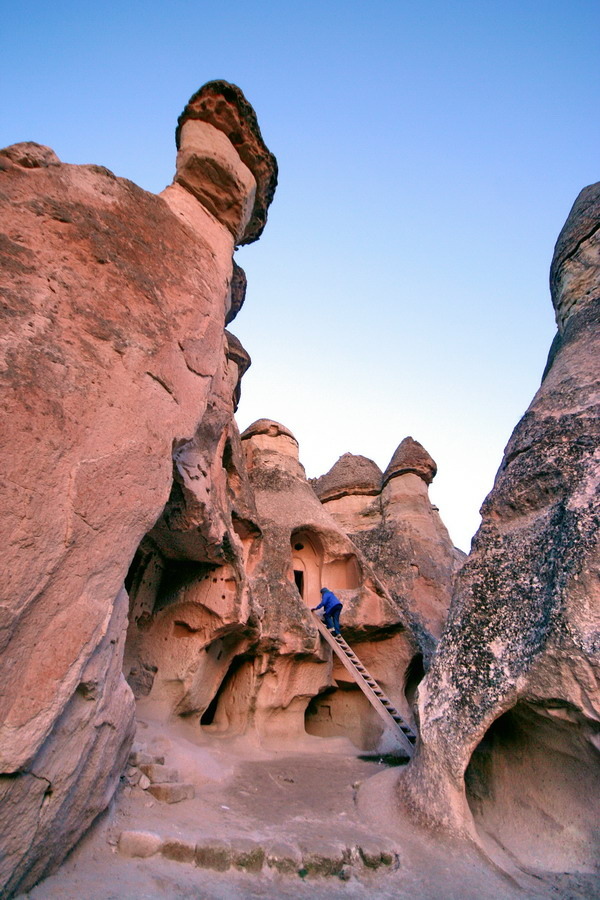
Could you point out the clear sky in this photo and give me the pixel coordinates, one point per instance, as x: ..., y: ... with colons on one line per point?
x: 429, y: 154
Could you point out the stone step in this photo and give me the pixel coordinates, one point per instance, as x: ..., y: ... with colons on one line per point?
x: 159, y: 774
x: 172, y: 792
x: 141, y: 758
x: 318, y: 858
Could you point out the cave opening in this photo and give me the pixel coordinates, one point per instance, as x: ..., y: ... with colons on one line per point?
x: 533, y: 787
x: 415, y: 672
x: 299, y: 580
x: 215, y: 716
x: 342, y: 710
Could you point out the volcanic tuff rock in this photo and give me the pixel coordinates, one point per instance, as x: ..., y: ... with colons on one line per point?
x: 113, y: 359
x: 304, y: 549
x: 411, y: 456
x: 223, y: 107
x: 350, y: 476
x: 392, y: 520
x: 510, y: 710
x: 223, y: 630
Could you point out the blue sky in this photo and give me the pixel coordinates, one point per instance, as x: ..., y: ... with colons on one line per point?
x: 429, y: 154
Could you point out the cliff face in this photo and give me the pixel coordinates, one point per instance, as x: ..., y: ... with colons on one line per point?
x: 510, y: 711
x: 114, y: 360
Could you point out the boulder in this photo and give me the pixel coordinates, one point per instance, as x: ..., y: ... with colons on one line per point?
x: 351, y: 475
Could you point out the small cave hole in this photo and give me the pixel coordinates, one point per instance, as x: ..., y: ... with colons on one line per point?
x: 182, y: 629
x: 227, y: 460
x: 209, y: 714
x: 299, y: 580
x: 415, y: 673
x: 533, y: 786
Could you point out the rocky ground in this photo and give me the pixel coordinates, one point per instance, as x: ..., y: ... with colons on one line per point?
x: 308, y: 820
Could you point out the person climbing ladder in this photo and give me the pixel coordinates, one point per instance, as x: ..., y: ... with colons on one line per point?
x: 332, y: 607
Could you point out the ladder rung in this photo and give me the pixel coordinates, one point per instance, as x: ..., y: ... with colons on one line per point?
x: 374, y: 687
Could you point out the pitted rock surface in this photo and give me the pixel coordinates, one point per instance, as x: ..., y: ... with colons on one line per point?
x: 224, y: 106
x: 516, y: 677
x: 351, y: 474
x: 411, y: 456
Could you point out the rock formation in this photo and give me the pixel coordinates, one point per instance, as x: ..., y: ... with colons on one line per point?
x: 117, y: 381
x: 510, y: 710
x: 225, y: 633
x: 151, y: 551
x: 303, y: 550
x: 390, y: 517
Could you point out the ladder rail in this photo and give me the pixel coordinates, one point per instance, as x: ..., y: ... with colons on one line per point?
x: 365, y: 687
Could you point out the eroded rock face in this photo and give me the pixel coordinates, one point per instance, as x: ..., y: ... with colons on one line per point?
x: 304, y: 549
x: 113, y: 359
x: 510, y: 711
x: 223, y: 107
x: 411, y: 457
x: 223, y: 630
x: 391, y: 518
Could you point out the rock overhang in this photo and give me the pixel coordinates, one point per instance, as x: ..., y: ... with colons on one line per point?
x: 223, y: 105
x: 351, y: 474
x: 411, y: 457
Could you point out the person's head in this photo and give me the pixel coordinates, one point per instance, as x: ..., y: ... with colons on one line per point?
x: 323, y: 590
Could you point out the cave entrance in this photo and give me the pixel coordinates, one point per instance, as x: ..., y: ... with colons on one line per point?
x: 313, y: 568
x: 533, y: 786
x: 344, y: 711
x: 415, y: 672
x: 228, y: 710
x: 299, y: 579
x: 307, y: 561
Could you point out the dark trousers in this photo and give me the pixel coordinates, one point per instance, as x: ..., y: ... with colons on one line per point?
x: 332, y: 618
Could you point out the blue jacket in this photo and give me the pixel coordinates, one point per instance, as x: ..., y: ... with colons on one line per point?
x: 328, y: 601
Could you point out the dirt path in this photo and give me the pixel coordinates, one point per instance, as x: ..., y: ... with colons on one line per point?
x: 305, y: 801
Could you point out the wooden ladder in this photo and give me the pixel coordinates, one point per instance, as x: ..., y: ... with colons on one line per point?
x: 378, y: 700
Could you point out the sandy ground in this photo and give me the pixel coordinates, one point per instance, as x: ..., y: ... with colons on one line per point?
x: 310, y: 796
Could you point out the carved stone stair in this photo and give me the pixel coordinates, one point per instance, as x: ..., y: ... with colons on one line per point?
x: 376, y: 697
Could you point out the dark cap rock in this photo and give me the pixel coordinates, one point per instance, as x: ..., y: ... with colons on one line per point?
x: 224, y: 106
x: 411, y: 456
x: 350, y: 475
x: 269, y: 427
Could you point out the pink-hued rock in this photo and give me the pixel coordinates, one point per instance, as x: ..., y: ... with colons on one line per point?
x: 351, y: 475
x: 391, y: 518
x: 31, y: 155
x: 304, y: 549
x: 411, y: 456
x: 141, y: 844
x: 510, y: 709
x: 113, y: 356
x: 223, y: 106
x: 219, y: 625
x: 172, y: 792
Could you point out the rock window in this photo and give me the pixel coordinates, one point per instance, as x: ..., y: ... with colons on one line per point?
x: 299, y: 579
